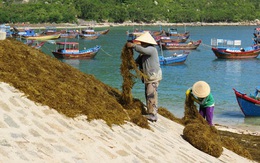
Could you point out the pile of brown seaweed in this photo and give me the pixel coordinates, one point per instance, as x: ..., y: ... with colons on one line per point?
x: 50, y: 82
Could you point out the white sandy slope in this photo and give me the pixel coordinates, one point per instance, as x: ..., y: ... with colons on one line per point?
x: 34, y: 133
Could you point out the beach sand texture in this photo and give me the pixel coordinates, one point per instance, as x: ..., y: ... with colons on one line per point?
x: 34, y: 133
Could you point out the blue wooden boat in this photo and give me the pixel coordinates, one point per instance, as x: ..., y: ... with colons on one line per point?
x: 174, y: 59
x: 70, y: 50
x: 249, y: 105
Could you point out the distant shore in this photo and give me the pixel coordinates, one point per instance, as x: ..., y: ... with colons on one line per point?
x: 91, y: 24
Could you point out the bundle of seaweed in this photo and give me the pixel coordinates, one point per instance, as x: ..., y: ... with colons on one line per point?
x: 130, y: 72
x: 128, y: 68
x: 205, y: 137
x: 198, y: 132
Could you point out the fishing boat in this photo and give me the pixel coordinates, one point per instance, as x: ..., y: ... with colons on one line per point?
x: 231, y: 49
x: 249, y: 105
x: 69, y: 33
x: 70, y: 50
x: 89, y: 36
x: 92, y: 31
x: 174, y: 59
x: 164, y: 39
x: 104, y: 32
x: 50, y: 31
x: 181, y: 46
x: 174, y: 32
x: 35, y: 44
x: 42, y: 37
x: 158, y: 33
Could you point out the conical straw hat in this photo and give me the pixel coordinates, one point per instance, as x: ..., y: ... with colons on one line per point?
x: 201, y: 89
x: 147, y: 38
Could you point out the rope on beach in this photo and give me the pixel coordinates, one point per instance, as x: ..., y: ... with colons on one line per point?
x: 106, y: 52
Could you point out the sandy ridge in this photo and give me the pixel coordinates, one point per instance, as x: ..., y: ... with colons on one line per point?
x: 34, y: 133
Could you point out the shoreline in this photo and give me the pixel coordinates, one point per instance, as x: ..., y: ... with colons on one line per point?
x: 100, y: 25
x: 250, y: 130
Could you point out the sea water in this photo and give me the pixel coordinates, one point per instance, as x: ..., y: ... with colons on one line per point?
x: 222, y: 74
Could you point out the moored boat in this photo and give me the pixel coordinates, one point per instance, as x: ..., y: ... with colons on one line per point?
x: 174, y: 59
x: 89, y: 36
x: 164, y: 39
x: 70, y: 50
x: 92, y: 31
x: 50, y: 31
x: 35, y: 44
x: 231, y: 49
x: 174, y: 32
x: 104, y: 32
x: 42, y: 37
x: 192, y: 45
x: 249, y: 105
x: 69, y: 34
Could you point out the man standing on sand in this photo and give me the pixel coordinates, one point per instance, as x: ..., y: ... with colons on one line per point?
x: 149, y: 64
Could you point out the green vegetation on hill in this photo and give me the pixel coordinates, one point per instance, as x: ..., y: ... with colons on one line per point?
x: 148, y: 11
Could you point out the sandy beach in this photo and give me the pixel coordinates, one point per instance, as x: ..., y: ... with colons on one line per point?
x: 85, y: 24
x: 34, y: 133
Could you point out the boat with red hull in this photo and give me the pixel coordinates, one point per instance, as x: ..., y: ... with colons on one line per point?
x: 181, y: 46
x: 249, y: 105
x: 234, y: 53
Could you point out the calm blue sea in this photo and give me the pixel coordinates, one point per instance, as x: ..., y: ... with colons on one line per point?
x: 222, y: 75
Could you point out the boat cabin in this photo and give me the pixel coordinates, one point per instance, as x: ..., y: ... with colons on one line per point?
x: 89, y: 30
x: 29, y: 32
x: 67, y: 47
x: 224, y: 43
x: 173, y: 31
